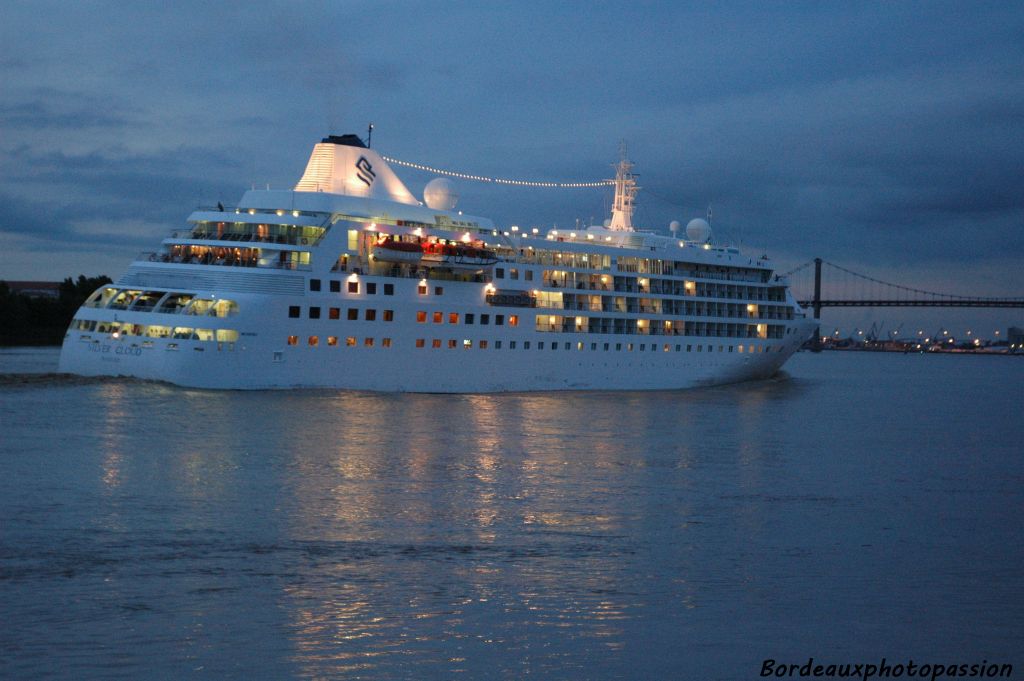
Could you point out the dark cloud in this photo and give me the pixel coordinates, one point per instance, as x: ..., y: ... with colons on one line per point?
x: 871, y: 134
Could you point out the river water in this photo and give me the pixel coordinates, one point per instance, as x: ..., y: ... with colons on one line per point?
x: 858, y: 506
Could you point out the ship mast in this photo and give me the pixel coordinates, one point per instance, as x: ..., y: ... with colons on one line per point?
x: 625, y: 193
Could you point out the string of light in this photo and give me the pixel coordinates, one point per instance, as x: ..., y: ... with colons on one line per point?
x: 498, y: 180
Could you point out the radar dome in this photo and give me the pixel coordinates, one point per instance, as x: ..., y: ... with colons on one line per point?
x: 440, y: 194
x: 698, y: 230
x: 673, y: 226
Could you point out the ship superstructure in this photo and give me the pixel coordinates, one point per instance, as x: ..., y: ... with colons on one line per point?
x: 349, y: 281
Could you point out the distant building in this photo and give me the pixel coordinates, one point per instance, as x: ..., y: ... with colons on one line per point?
x: 1015, y: 338
x: 35, y: 289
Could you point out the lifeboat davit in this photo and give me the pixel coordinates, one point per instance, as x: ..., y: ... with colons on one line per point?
x: 397, y: 251
x: 458, y: 255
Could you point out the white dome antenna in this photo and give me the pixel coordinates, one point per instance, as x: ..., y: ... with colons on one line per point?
x: 698, y: 230
x: 440, y: 194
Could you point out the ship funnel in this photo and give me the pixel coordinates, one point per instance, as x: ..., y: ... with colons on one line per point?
x: 341, y: 164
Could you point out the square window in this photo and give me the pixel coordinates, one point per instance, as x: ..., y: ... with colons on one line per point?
x: 540, y: 345
x: 453, y: 317
x: 436, y: 343
x: 606, y: 346
x: 421, y: 316
x: 467, y: 344
x: 371, y: 315
x: 314, y: 341
x: 386, y: 342
x: 567, y: 345
x: 353, y: 313
x: 293, y: 340
x: 529, y: 275
x: 593, y: 346
x: 451, y: 343
x: 294, y: 311
x: 554, y: 346
x: 629, y: 347
x: 511, y: 345
x: 499, y: 272
x: 618, y: 346
x: 334, y: 312
x: 314, y: 313
x: 350, y: 341
x: 371, y: 288
x: 421, y: 289
x: 314, y: 284
x: 485, y: 319
x: 499, y: 319
x: 335, y: 286
x: 438, y: 317
x: 368, y: 342
x: 513, y: 320
x: 439, y: 290
x: 332, y: 341
x: 353, y: 287
x: 483, y: 345
x: 526, y: 345
x: 513, y: 273
x: 469, y: 317
x: 420, y: 342
x: 389, y: 315
x: 389, y: 289
x: 642, y: 347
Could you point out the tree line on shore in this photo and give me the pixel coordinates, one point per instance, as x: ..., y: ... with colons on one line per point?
x: 40, y: 320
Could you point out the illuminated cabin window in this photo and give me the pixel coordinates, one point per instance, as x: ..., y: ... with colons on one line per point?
x: 483, y: 345
x: 389, y: 315
x: 332, y: 341
x: 422, y: 289
x: 314, y: 341
x: 421, y: 316
x: 453, y: 317
x: 350, y: 341
x: 182, y: 332
x: 420, y: 342
x: 293, y: 340
x: 579, y: 345
x: 467, y: 344
x: 438, y: 317
x: 368, y: 342
x: 386, y: 342
x: 629, y: 347
x: 334, y: 313
x: 513, y: 320
x: 101, y: 297
x: 436, y: 343
x: 156, y: 331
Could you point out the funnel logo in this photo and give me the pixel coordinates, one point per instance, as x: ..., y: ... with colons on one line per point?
x: 364, y: 171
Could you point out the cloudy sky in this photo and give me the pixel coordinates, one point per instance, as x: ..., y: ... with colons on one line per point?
x: 885, y: 137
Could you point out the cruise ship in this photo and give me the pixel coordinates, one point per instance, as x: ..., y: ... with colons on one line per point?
x: 350, y: 281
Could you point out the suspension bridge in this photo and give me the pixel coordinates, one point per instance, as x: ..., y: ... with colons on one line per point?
x: 845, y: 288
